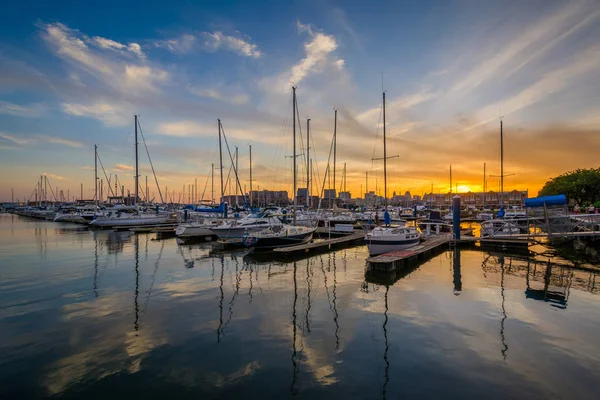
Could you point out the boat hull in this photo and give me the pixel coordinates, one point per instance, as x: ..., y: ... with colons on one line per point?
x: 279, y: 241
x: 235, y: 232
x: 381, y: 246
x: 189, y: 230
x: 134, y: 221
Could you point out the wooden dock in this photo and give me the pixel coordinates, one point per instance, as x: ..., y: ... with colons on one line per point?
x: 395, y: 259
x: 322, y: 246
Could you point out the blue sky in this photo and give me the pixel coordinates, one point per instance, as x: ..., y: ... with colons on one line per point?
x: 73, y: 74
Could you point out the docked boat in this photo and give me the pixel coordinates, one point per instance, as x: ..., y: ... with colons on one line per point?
x: 199, y: 228
x: 78, y: 215
x: 237, y: 229
x: 500, y: 228
x: 123, y: 216
x: 279, y: 236
x: 384, y: 239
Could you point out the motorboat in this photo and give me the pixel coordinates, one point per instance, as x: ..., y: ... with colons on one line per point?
x: 485, y: 216
x: 198, y: 228
x: 500, y: 228
x: 123, y: 216
x: 77, y: 214
x: 279, y: 236
x: 237, y: 229
x: 383, y: 239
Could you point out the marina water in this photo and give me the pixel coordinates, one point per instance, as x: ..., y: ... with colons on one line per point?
x: 104, y: 314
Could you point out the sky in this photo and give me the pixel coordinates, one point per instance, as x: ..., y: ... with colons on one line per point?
x: 72, y: 75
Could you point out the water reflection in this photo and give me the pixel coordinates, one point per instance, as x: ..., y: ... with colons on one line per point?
x: 61, y: 331
x: 386, y: 378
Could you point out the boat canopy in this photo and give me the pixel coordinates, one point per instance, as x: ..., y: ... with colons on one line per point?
x: 557, y: 200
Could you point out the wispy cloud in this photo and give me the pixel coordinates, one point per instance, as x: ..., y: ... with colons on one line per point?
x: 29, y: 110
x: 17, y: 140
x: 122, y: 168
x: 318, y: 55
x: 118, y: 72
x: 109, y: 114
x: 240, y: 45
x: 61, y: 141
x: 57, y: 177
x: 25, y: 141
x: 104, y: 43
x: 234, y: 98
x: 211, y: 41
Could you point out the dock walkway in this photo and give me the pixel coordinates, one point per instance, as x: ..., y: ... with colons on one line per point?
x: 397, y: 258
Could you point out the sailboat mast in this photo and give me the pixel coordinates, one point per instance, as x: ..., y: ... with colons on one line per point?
x: 334, y: 147
x: 213, y: 182
x: 501, y: 166
x: 308, y: 163
x: 483, y: 185
x: 236, y: 175
x: 137, y: 175
x: 96, y: 173
x: 294, y: 155
x: 250, y: 148
x: 221, y: 161
x: 384, y: 157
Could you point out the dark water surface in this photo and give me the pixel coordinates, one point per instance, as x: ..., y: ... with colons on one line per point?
x: 105, y: 314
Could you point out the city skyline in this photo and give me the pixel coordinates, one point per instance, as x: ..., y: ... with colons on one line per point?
x: 74, y: 75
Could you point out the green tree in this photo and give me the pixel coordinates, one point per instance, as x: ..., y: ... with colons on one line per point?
x: 581, y: 185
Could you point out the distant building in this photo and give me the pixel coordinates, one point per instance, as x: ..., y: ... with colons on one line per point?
x: 270, y: 197
x: 329, y: 194
x: 478, y: 199
x: 345, y: 196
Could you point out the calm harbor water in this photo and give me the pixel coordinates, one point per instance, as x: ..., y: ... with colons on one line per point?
x: 102, y: 314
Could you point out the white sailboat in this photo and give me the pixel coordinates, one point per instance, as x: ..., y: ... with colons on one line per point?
x: 383, y: 239
x: 285, y: 235
x: 122, y: 216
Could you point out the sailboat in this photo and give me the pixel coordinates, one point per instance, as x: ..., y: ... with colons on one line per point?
x: 283, y: 235
x: 123, y: 216
x: 383, y: 239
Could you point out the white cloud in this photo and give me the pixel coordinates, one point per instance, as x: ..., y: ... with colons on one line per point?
x: 122, y: 168
x: 57, y: 177
x: 113, y: 67
x: 239, y: 98
x: 109, y: 114
x: 186, y: 129
x: 109, y: 44
x: 24, y: 141
x: 17, y: 140
x: 218, y: 40
x: 526, y: 45
x: 318, y: 55
x: 184, y: 44
x: 30, y: 110
x: 62, y: 141
x: 549, y: 83
x: 397, y: 105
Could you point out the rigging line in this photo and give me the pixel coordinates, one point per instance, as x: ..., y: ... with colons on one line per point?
x: 237, y: 178
x: 51, y: 191
x: 206, y: 184
x: 149, y: 159
x: 103, y: 170
x: 326, y: 172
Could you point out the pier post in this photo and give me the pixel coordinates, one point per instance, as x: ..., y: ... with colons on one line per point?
x: 456, y: 216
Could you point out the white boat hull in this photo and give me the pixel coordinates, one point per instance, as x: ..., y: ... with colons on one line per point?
x: 190, y: 230
x: 235, y: 232
x: 381, y: 247
x: 132, y: 221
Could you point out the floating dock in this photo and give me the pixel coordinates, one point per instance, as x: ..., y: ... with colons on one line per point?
x: 396, y: 259
x: 322, y: 246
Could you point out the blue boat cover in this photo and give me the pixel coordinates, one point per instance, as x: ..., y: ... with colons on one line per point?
x: 557, y: 200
